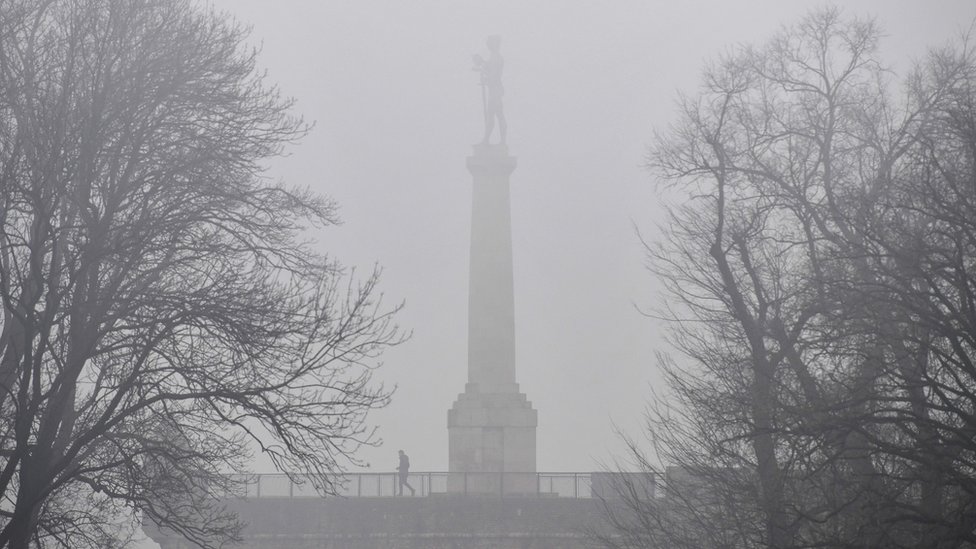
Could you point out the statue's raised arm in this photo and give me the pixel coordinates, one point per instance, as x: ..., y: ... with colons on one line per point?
x: 492, y: 89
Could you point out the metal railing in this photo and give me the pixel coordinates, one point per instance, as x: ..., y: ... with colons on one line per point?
x: 545, y: 484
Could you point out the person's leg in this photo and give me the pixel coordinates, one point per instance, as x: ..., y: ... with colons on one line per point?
x: 489, y: 127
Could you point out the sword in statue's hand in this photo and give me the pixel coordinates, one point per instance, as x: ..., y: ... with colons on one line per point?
x: 481, y: 66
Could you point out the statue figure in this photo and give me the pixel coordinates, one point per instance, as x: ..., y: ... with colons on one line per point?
x: 492, y: 89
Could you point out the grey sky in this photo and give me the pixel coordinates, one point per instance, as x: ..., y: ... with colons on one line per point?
x: 397, y: 108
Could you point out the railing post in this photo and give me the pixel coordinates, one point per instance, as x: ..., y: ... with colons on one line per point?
x: 258, y: 478
x: 538, y: 484
x: 576, y: 485
x: 465, y: 483
x: 291, y: 487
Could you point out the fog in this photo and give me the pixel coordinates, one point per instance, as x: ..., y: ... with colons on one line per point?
x: 397, y: 107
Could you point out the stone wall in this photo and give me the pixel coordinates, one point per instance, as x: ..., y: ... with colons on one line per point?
x: 436, y: 522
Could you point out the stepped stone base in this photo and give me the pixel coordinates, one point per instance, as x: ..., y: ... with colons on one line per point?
x: 491, y: 433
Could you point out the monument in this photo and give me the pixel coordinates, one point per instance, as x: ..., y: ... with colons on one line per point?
x: 491, y: 426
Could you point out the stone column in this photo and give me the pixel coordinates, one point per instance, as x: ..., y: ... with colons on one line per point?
x: 491, y: 427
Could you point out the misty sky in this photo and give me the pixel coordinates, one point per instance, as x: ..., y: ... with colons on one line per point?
x: 397, y: 107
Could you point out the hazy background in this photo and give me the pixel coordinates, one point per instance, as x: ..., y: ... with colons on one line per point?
x: 397, y: 107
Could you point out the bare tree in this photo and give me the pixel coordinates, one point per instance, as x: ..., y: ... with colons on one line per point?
x: 163, y: 310
x: 826, y: 369
x: 925, y: 235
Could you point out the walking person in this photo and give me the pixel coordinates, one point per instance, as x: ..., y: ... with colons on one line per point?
x: 403, y: 470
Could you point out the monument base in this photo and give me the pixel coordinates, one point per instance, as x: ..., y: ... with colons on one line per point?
x: 491, y: 443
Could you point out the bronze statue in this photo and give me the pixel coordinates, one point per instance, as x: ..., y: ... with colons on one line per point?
x: 492, y: 89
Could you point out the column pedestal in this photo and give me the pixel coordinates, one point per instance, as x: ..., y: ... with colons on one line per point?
x: 492, y: 444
